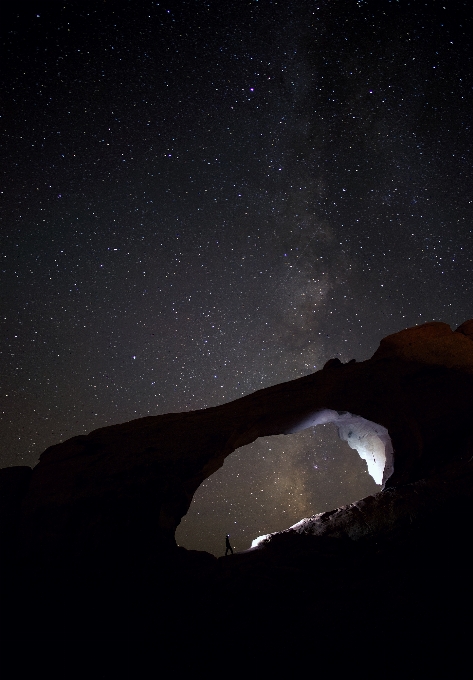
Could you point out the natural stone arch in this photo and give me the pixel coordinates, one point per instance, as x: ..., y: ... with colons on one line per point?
x: 118, y: 493
x: 269, y: 484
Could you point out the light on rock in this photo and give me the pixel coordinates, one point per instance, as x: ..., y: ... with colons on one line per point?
x: 370, y: 440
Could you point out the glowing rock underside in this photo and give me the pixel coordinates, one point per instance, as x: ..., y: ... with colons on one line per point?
x: 361, y: 436
x: 370, y: 440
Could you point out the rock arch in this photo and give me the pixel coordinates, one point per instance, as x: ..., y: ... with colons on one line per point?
x: 120, y: 492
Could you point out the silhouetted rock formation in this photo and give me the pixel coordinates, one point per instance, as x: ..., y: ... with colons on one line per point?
x: 102, y: 509
x: 14, y: 483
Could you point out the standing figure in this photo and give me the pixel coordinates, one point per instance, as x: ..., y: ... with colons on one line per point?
x: 228, y: 547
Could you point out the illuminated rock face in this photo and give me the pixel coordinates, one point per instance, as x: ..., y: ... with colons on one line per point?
x: 120, y: 492
x: 389, y: 513
x: 370, y: 440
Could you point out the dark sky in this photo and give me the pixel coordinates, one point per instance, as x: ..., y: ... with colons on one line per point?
x: 200, y: 199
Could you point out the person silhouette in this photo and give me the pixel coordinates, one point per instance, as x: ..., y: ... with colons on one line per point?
x: 228, y: 547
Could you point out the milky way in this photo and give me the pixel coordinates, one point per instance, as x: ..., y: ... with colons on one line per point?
x: 201, y: 200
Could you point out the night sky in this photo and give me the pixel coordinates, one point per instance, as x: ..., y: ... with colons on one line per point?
x: 201, y: 199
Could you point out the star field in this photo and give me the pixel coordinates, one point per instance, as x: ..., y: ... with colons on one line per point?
x: 201, y: 199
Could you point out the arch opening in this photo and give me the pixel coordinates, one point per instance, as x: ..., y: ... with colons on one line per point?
x: 273, y: 483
